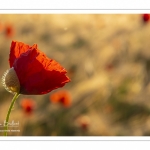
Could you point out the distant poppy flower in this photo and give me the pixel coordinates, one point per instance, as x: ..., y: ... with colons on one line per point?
x: 27, y: 105
x: 109, y: 67
x: 9, y: 31
x: 1, y: 27
x: 62, y: 97
x: 83, y: 122
x: 145, y: 17
x: 32, y: 72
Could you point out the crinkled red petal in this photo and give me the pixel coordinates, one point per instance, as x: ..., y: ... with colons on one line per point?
x: 16, y: 49
x: 38, y: 74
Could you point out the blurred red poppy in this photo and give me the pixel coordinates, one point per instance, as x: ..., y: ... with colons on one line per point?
x: 9, y: 31
x: 27, y: 105
x: 83, y: 122
x: 62, y: 97
x: 109, y: 67
x: 37, y: 74
x: 1, y: 27
x: 145, y: 17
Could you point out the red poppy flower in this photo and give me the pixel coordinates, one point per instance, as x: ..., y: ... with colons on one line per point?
x: 145, y: 17
x: 27, y: 105
x: 1, y: 27
x: 32, y: 72
x: 83, y: 122
x: 109, y: 67
x: 62, y: 97
x: 9, y: 31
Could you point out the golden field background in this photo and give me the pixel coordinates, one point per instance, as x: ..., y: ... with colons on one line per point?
x: 108, y: 61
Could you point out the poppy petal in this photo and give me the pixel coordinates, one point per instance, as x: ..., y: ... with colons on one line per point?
x: 16, y: 49
x: 38, y: 74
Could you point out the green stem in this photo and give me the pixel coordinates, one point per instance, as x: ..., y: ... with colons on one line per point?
x: 9, y: 111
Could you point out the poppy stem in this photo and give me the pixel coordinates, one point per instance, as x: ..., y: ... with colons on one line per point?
x: 9, y: 111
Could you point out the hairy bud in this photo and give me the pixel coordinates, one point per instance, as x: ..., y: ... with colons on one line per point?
x: 10, y: 81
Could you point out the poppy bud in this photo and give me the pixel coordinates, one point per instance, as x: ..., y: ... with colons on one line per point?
x: 10, y: 81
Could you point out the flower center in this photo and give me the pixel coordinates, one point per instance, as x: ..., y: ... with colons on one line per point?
x: 10, y: 81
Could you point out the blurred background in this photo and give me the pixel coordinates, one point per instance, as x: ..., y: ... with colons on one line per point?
x: 108, y: 61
